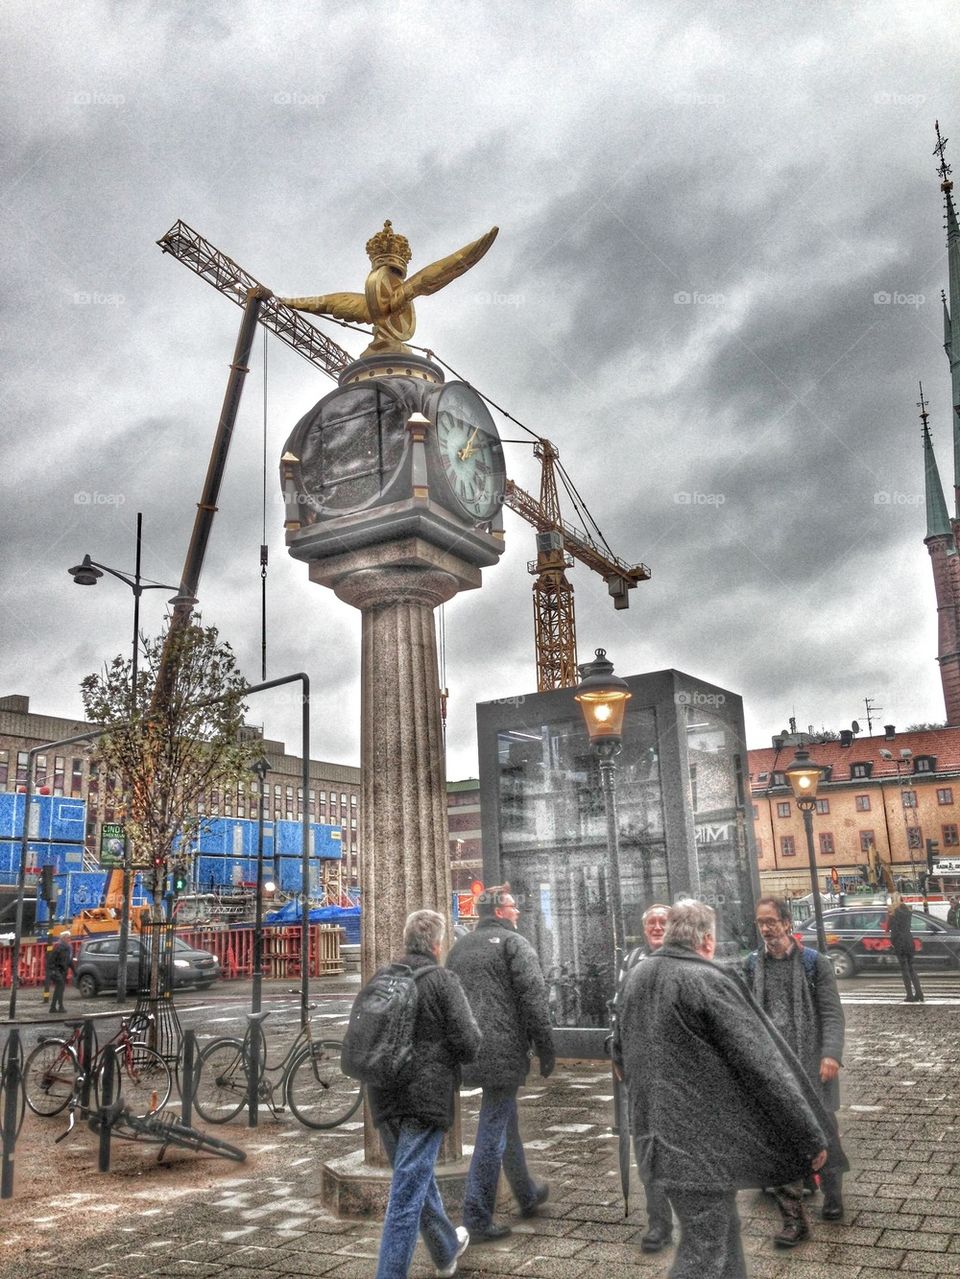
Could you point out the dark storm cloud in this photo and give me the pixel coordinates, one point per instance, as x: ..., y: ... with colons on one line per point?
x: 699, y: 211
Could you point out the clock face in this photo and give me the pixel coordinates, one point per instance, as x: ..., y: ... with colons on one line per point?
x: 350, y: 447
x: 470, y: 454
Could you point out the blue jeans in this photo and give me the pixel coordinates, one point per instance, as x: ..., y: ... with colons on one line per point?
x: 498, y: 1145
x: 415, y: 1203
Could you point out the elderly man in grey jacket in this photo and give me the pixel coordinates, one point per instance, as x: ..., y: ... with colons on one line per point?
x: 503, y: 980
x: 717, y: 1100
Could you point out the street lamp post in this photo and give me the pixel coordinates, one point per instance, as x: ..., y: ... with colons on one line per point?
x: 261, y: 768
x: 603, y: 700
x: 804, y: 778
x: 87, y: 573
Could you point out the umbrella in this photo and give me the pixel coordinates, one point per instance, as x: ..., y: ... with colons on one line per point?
x: 622, y: 1125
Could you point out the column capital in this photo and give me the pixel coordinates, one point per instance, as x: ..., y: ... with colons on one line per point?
x: 391, y: 585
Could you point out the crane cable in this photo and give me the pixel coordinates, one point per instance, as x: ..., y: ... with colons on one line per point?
x: 263, y: 528
x: 442, y: 663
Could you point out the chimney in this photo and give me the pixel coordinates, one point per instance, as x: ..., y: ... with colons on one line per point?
x: 846, y: 737
x: 890, y: 731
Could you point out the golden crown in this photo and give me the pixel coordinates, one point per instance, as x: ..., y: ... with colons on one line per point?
x: 386, y: 248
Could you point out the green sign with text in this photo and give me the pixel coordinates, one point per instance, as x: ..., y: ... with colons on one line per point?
x: 112, y: 840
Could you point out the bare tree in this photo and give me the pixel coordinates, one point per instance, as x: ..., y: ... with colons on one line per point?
x: 174, y: 748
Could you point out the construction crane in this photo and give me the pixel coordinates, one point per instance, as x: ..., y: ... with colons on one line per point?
x: 558, y: 543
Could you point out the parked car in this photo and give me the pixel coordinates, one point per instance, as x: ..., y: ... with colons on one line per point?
x: 857, y: 939
x: 97, y: 962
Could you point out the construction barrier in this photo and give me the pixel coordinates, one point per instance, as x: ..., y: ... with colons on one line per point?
x: 232, y: 946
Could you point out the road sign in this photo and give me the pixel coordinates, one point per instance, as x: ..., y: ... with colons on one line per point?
x: 112, y: 840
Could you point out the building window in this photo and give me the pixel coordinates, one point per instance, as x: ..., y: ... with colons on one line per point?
x: 779, y: 779
x: 58, y: 771
x: 343, y: 800
x: 787, y: 846
x: 826, y: 843
x: 945, y: 795
x: 353, y: 801
x: 860, y: 770
x: 862, y: 803
x: 76, y: 778
x: 23, y: 758
x: 40, y: 771
x: 924, y: 764
x: 866, y: 840
x: 823, y: 805
x: 4, y: 767
x: 950, y: 837
x: 783, y: 810
x: 909, y: 799
x: 914, y: 838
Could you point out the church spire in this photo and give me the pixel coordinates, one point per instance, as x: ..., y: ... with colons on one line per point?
x: 951, y: 312
x: 938, y: 522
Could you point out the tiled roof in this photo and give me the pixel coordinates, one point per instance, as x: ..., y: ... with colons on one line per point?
x: 942, y: 743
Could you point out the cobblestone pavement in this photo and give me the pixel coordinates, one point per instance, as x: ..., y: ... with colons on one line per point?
x: 214, y: 1220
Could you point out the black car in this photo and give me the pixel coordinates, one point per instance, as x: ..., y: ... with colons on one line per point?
x: 96, y: 965
x: 857, y: 939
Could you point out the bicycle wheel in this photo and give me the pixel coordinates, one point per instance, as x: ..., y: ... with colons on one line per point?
x: 319, y: 1094
x: 221, y: 1085
x: 143, y: 1083
x: 51, y: 1076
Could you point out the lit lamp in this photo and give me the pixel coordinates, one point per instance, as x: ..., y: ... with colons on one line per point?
x: 603, y: 699
x: 804, y: 778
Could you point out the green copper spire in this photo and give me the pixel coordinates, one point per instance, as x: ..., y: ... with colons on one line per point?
x: 950, y: 313
x: 938, y: 522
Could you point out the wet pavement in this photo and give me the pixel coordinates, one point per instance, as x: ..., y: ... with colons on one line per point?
x: 201, y: 1217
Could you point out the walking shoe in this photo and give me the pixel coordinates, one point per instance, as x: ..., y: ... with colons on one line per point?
x: 488, y: 1234
x: 463, y: 1243
x: 655, y: 1239
x: 832, y: 1209
x: 541, y: 1193
x: 792, y: 1232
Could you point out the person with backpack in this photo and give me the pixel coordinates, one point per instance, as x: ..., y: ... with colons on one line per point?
x: 504, y: 983
x: 410, y: 1031
x: 797, y: 988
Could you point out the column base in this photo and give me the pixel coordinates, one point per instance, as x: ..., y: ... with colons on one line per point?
x: 350, y: 1188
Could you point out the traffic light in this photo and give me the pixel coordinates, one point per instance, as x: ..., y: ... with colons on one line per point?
x: 179, y: 878
x: 932, y: 846
x: 48, y: 889
x: 864, y: 872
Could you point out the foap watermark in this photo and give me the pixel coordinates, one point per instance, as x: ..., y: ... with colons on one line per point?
x: 683, y: 298
x: 300, y: 100
x: 93, y: 298
x: 883, y: 298
x: 93, y: 98
x: 483, y: 298
x: 699, y: 499
x: 891, y: 497
x: 516, y: 700
x: 83, y: 498
x: 899, y: 99
x: 696, y: 697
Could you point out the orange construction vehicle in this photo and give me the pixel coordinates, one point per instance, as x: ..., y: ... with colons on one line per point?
x: 105, y: 918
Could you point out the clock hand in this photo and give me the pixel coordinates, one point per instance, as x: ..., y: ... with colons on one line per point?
x: 468, y: 449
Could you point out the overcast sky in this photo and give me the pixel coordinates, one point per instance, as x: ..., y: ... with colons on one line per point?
x: 715, y: 288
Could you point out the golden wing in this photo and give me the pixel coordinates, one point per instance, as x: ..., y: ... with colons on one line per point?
x: 438, y: 274
x: 343, y: 306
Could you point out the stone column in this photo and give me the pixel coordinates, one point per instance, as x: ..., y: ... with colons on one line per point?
x: 405, y: 861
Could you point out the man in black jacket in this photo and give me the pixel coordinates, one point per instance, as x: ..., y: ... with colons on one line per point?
x: 503, y: 980
x: 59, y: 963
x: 717, y: 1100
x: 899, y: 917
x: 413, y: 1115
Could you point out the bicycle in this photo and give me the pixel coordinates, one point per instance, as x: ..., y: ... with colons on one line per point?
x: 311, y: 1082
x: 165, y: 1130
x: 56, y: 1072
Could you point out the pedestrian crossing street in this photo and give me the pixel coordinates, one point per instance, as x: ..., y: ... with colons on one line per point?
x: 887, y: 988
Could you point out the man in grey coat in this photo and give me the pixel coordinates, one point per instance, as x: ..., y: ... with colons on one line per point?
x: 797, y: 988
x: 717, y: 1100
x: 503, y: 980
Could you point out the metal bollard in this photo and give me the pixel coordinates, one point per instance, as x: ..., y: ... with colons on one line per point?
x: 106, y: 1100
x: 89, y: 1049
x: 253, y: 1065
x: 12, y: 1080
x: 187, y: 1077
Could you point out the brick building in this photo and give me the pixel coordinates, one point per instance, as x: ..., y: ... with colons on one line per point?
x: 891, y: 793
x: 466, y: 849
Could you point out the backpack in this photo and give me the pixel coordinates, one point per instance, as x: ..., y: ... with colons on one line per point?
x: 378, y: 1046
x: 808, y: 958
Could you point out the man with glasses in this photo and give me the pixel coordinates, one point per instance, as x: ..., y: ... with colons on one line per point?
x: 797, y: 988
x: 503, y: 980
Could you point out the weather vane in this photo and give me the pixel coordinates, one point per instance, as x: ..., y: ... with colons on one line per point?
x: 387, y: 299
x: 922, y: 406
x: 944, y: 170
